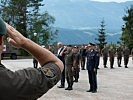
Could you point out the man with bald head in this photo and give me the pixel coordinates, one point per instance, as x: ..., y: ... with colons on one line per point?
x: 60, y: 55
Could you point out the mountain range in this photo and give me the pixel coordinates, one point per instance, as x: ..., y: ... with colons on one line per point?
x: 78, y: 21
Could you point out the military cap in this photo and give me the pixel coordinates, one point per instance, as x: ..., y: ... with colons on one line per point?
x: 91, y: 44
x: 69, y: 45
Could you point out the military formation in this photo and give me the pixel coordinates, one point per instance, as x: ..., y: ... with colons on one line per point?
x: 76, y: 58
x: 119, y: 52
x: 87, y: 57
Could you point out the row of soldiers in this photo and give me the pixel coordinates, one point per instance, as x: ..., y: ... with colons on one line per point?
x: 71, y: 57
x: 119, y: 53
x: 74, y: 57
x: 109, y: 52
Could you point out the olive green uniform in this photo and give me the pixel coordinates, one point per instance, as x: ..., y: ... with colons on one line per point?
x: 119, y: 56
x: 77, y: 59
x: 111, y: 57
x: 126, y: 53
x: 69, y: 58
x: 132, y: 53
x: 29, y: 83
x: 105, y: 56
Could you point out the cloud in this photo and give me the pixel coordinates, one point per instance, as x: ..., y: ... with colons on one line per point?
x: 111, y: 0
x: 89, y: 33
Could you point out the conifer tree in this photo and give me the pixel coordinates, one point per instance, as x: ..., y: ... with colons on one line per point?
x: 102, y: 35
x: 127, y: 28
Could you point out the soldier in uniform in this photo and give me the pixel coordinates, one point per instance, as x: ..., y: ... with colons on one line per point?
x: 29, y: 83
x: 69, y: 62
x: 77, y: 59
x: 92, y: 68
x: 51, y: 48
x: 35, y: 63
x: 111, y: 56
x: 97, y: 55
x: 126, y: 53
x: 119, y: 56
x: 82, y: 52
x: 132, y: 53
x: 105, y: 55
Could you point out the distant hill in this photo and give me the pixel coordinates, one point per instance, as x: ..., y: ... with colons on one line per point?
x: 75, y: 36
x: 78, y: 20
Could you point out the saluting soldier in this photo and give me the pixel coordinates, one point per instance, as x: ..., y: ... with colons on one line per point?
x: 91, y: 67
x: 111, y: 56
x: 105, y: 55
x: 77, y: 59
x: 119, y: 56
x: 126, y: 53
x: 69, y: 61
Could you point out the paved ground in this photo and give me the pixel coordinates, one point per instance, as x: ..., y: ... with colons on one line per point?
x: 113, y: 84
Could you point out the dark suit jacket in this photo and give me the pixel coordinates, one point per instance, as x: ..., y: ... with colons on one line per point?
x: 91, y: 60
x: 61, y: 57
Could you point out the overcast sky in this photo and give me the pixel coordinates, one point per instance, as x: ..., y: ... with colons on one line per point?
x: 112, y: 0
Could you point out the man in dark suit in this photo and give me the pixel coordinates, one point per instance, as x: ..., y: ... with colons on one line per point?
x: 60, y: 55
x: 92, y: 67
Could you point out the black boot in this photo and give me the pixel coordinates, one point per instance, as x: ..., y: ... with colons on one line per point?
x: 69, y: 88
x: 126, y: 66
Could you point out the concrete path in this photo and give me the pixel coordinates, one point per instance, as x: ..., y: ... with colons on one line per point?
x: 113, y: 84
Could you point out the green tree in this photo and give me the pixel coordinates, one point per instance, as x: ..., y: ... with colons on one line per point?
x: 14, y: 12
x: 127, y: 28
x: 26, y: 17
x: 102, y: 35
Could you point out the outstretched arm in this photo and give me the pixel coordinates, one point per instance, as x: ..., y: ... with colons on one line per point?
x: 41, y: 54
